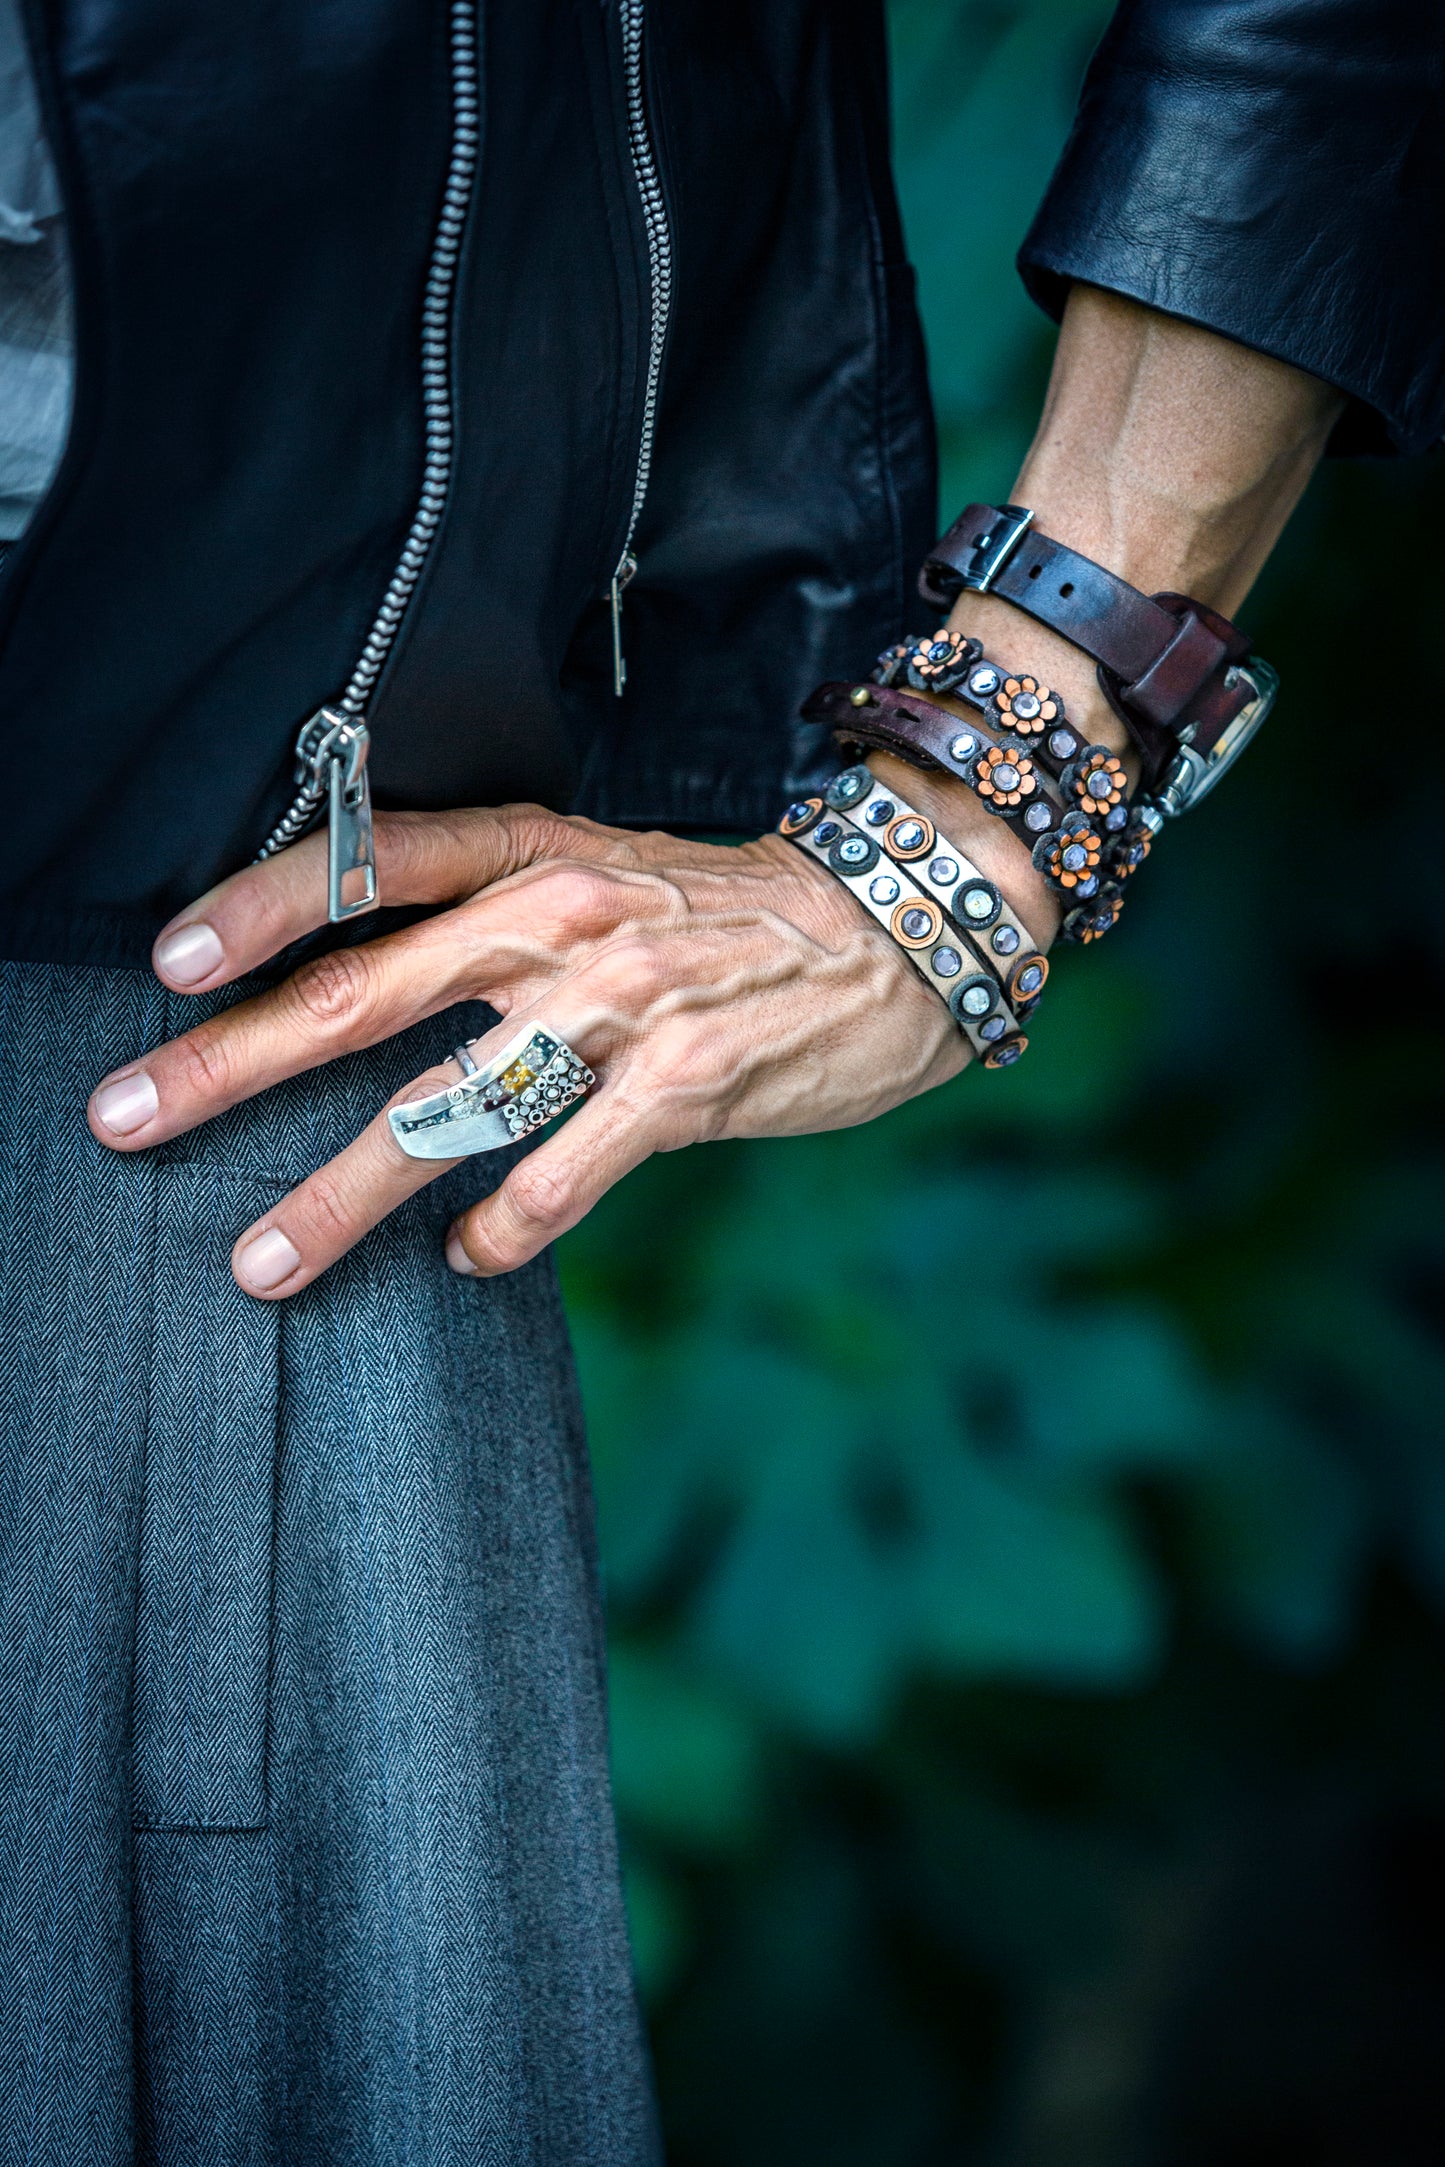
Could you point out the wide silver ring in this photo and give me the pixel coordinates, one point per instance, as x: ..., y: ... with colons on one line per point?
x: 534, y: 1077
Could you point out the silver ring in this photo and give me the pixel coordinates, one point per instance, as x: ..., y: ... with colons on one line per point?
x: 534, y: 1077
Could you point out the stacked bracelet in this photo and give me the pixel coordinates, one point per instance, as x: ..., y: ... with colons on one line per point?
x: 1179, y: 676
x: 1083, y: 834
x: 949, y: 919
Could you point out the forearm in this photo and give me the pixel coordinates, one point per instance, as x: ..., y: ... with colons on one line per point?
x: 1167, y: 453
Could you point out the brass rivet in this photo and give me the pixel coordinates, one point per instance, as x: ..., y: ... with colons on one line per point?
x: 861, y: 696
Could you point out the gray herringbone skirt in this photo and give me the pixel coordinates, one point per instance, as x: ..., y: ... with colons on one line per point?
x: 306, y: 1847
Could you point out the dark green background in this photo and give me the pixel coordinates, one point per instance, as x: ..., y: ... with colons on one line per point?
x: 1025, y: 1518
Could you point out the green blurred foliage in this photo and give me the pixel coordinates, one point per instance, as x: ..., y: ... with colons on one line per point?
x: 1024, y: 1515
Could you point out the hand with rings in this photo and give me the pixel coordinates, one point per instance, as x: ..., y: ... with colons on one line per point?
x: 689, y: 990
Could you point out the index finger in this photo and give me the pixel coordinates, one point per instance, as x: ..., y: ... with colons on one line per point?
x: 420, y: 858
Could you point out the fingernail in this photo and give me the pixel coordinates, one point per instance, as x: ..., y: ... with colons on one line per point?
x: 190, y: 953
x: 457, y: 1256
x: 127, y: 1104
x: 267, y: 1259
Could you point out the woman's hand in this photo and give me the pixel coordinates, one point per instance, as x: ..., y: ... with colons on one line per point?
x: 715, y: 991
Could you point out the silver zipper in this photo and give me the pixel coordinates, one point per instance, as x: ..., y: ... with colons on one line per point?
x: 659, y: 263
x: 333, y: 745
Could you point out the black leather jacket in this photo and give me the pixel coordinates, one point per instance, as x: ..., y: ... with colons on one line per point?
x: 252, y: 190
x: 1274, y: 169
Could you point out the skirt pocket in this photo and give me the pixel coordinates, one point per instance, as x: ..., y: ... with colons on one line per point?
x: 203, y: 1619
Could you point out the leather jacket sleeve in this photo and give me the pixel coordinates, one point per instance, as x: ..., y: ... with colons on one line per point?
x: 1275, y: 170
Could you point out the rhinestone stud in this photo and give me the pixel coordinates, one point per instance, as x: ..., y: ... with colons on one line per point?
x: 846, y: 789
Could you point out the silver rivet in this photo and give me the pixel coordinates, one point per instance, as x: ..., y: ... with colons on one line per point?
x: 963, y: 747
x: 985, y: 682
x: 884, y: 890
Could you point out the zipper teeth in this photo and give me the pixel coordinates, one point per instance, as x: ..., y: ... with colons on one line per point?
x: 437, y: 413
x: 659, y: 251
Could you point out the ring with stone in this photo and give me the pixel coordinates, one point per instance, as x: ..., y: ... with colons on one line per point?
x: 535, y: 1077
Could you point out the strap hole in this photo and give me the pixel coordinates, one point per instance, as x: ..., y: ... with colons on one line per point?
x: 1034, y: 571
x: 1067, y: 588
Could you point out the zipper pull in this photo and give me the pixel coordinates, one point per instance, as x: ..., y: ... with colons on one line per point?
x: 351, y: 854
x: 331, y: 755
x: 626, y: 566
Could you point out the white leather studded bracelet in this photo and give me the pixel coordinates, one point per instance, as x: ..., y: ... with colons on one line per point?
x: 971, y: 949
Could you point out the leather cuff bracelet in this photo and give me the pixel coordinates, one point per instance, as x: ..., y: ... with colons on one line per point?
x: 1179, y: 676
x: 920, y: 927
x: 1004, y: 771
x: 1001, y: 770
x: 970, y: 948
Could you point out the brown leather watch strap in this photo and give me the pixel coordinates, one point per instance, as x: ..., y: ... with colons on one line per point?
x: 1166, y: 663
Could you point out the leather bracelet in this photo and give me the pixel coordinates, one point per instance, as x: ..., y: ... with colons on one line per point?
x: 1085, y: 846
x: 930, y: 870
x: 1088, y: 777
x: 918, y: 924
x: 945, y: 664
x: 930, y: 736
x: 1179, y: 676
x: 974, y: 904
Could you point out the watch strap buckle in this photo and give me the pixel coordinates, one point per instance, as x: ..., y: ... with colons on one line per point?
x: 992, y: 550
x: 973, y: 553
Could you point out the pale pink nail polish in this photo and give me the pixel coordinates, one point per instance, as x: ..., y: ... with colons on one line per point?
x: 127, y: 1104
x: 189, y: 954
x: 267, y: 1259
x: 457, y: 1256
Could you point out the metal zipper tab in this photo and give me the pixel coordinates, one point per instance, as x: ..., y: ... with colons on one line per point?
x: 331, y: 754
x: 620, y: 578
x: 631, y: 15
x: 332, y: 747
x: 351, y: 848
